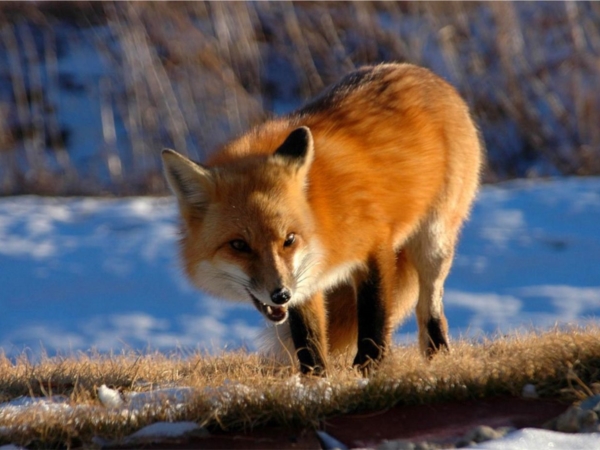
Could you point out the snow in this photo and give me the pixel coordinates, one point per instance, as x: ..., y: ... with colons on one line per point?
x: 48, y: 405
x: 110, y: 398
x: 82, y: 273
x: 165, y: 430
x: 155, y: 433
x: 230, y: 393
x: 177, y: 397
x: 529, y: 256
x: 535, y: 439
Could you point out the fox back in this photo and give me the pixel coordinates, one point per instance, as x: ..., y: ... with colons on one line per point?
x: 336, y: 219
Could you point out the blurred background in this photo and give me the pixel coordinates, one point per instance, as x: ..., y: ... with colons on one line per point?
x: 91, y: 92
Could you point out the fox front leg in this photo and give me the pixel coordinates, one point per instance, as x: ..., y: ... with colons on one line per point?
x: 309, y: 334
x: 374, y: 332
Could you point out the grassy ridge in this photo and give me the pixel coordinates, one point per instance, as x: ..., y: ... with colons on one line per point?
x: 237, y: 390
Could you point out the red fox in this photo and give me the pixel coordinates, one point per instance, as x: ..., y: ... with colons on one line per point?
x: 335, y: 220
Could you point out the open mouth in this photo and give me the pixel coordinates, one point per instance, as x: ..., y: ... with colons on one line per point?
x: 276, y: 314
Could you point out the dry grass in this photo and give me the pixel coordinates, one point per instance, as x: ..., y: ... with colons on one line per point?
x: 192, y: 74
x: 237, y: 390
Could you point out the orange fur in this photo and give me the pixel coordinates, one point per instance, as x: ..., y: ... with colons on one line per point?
x: 375, y: 191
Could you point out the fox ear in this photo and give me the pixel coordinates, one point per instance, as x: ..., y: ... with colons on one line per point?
x: 189, y: 181
x: 298, y: 148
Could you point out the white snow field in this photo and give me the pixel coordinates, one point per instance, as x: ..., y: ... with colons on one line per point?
x: 83, y: 273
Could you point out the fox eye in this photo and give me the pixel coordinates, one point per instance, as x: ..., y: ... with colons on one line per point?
x: 240, y: 245
x: 289, y: 240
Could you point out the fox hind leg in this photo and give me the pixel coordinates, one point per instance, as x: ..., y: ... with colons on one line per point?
x: 432, y: 252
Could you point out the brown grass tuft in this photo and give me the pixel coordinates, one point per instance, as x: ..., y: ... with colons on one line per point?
x: 237, y: 390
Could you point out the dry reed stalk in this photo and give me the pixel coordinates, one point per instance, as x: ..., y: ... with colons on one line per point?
x: 51, y: 90
x: 193, y: 75
x: 18, y: 85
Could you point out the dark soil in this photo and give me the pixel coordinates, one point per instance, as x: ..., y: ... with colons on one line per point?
x: 441, y: 423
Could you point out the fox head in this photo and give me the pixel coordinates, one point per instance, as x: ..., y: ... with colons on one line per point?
x: 247, y: 227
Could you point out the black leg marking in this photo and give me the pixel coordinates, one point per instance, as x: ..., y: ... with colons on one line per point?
x: 305, y: 335
x: 438, y: 339
x: 372, y: 321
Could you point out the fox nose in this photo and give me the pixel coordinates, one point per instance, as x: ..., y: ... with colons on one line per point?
x: 281, y: 296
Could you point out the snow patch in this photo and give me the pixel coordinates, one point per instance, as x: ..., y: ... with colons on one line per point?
x: 164, y: 430
x: 535, y: 439
x: 111, y: 398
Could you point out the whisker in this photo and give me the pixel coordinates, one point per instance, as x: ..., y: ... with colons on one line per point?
x: 234, y: 278
x: 305, y: 269
x: 308, y: 262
